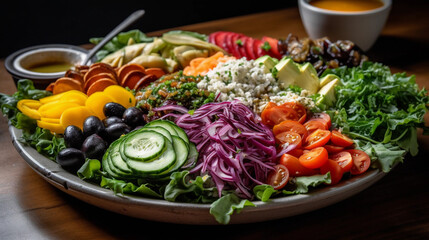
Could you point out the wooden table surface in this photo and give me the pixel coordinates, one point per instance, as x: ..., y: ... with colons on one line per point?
x: 396, y: 207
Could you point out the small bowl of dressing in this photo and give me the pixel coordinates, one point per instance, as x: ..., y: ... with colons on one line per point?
x: 44, y: 64
x: 360, y: 21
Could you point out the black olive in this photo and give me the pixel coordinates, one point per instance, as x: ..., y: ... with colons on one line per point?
x: 112, y: 120
x: 133, y: 117
x: 93, y: 124
x: 94, y: 147
x: 73, y: 137
x: 71, y: 159
x: 116, y: 130
x: 113, y: 109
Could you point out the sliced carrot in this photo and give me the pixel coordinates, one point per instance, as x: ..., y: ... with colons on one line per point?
x: 50, y: 87
x: 75, y: 75
x: 144, y: 82
x: 200, y: 66
x: 121, y: 95
x: 132, y: 78
x: 158, y: 72
x: 95, y: 78
x: 65, y: 84
x: 100, y: 85
x: 127, y: 68
x: 96, y: 69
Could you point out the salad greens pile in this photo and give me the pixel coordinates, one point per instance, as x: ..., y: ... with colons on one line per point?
x: 41, y: 139
x: 381, y: 110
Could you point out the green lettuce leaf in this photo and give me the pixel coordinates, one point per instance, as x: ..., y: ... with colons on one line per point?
x: 302, y: 184
x: 183, y: 189
x: 224, y: 207
x: 119, y: 41
x: 122, y: 187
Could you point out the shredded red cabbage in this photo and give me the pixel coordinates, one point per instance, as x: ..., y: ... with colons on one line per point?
x: 235, y: 148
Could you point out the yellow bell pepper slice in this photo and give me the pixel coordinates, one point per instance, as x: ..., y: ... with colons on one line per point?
x: 121, y: 95
x: 96, y: 103
x: 29, y: 108
x: 53, y: 127
x: 50, y: 120
x: 56, y: 109
x: 74, y: 96
x: 75, y: 116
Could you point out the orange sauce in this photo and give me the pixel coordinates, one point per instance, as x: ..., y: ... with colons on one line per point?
x: 347, y: 5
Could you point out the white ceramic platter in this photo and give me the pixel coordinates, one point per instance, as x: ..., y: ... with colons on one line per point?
x: 187, y: 213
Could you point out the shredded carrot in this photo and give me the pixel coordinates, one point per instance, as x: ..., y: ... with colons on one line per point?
x: 200, y: 66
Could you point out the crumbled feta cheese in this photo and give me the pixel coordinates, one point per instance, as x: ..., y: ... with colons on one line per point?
x: 247, y: 81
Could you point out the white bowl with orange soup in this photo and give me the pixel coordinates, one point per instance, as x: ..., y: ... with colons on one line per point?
x: 360, y: 21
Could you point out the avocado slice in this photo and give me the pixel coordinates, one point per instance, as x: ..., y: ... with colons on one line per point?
x: 327, y: 93
x: 291, y: 73
x: 287, y: 72
x: 267, y: 61
x: 309, y: 79
x: 329, y: 77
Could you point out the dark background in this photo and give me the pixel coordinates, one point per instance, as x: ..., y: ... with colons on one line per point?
x: 29, y: 23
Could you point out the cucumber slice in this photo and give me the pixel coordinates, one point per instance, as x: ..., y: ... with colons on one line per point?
x: 161, y: 130
x: 158, y: 165
x: 116, y: 159
x: 171, y: 127
x: 192, y: 156
x: 164, y: 124
x: 181, y: 150
x: 143, y: 145
x: 106, y: 166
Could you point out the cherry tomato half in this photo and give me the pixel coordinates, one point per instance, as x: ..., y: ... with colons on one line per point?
x: 294, y: 166
x: 340, y: 139
x: 313, y: 124
x: 335, y: 170
x: 333, y: 148
x: 299, y: 108
x: 344, y: 159
x: 361, y: 161
x: 289, y: 137
x: 277, y: 114
x: 278, y: 177
x: 315, y: 158
x: 323, y: 116
x: 293, y: 126
x: 317, y: 138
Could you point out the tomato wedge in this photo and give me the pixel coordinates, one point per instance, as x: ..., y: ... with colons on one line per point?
x: 340, y: 139
x: 274, y: 51
x: 361, y: 161
x: 278, y: 177
x: 334, y: 169
x: 299, y: 108
x: 294, y: 166
x: 317, y: 138
x: 344, y: 159
x: 290, y: 125
x: 289, y: 137
x: 276, y: 114
x: 250, y: 53
x: 315, y: 158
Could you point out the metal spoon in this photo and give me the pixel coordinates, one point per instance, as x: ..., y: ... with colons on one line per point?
x: 127, y: 22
